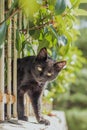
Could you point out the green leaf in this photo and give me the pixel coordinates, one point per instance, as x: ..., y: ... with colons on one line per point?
x: 64, y: 50
x: 29, y: 48
x: 8, y: 22
x: 45, y: 30
x: 53, y: 30
x: 60, y: 6
x: 0, y: 52
x: 39, y: 1
x: 83, y: 1
x: 13, y: 6
x: 81, y: 12
x: 51, y: 2
x: 29, y: 7
x: 62, y: 40
x: 18, y: 41
x: 75, y: 4
x: 61, y: 89
x: 2, y: 33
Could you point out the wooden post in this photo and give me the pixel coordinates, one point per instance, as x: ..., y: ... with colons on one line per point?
x: 20, y: 20
x: 26, y: 104
x: 9, y: 65
x: 15, y: 70
x: 2, y: 66
x: 20, y: 28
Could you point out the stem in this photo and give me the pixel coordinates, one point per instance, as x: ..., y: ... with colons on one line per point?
x: 39, y: 27
x: 15, y: 12
x: 68, y: 10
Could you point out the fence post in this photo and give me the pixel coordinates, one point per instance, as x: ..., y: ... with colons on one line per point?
x: 15, y: 70
x: 9, y: 65
x: 20, y: 28
x: 2, y: 67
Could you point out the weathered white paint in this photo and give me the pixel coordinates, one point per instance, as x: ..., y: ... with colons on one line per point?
x: 15, y: 70
x: 9, y: 63
x: 2, y: 65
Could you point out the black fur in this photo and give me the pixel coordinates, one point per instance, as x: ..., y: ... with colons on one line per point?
x: 32, y: 81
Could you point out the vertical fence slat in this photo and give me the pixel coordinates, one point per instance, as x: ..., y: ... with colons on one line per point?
x: 9, y: 65
x: 20, y: 27
x: 15, y: 70
x: 20, y: 20
x: 26, y: 105
x: 2, y: 66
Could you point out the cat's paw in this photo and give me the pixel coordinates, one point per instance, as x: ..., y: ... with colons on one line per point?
x: 24, y: 118
x: 44, y: 121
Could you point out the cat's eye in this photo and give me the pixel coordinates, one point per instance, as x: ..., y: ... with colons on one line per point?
x: 49, y: 74
x: 39, y: 68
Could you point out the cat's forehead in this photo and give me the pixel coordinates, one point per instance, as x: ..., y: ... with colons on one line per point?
x: 46, y: 63
x: 50, y: 62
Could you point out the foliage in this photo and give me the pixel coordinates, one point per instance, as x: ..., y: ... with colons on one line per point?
x: 74, y: 117
x: 50, y: 24
x: 29, y: 7
x: 2, y: 35
x: 76, y: 93
x: 60, y: 6
x: 74, y: 101
x: 82, y: 41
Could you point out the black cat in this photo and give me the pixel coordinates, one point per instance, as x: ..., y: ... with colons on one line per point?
x: 32, y: 74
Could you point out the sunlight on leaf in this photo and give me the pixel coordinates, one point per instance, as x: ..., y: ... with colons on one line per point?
x: 62, y: 40
x: 29, y: 7
x: 83, y: 1
x: 0, y: 52
x: 39, y: 1
x: 53, y: 31
x: 2, y: 33
x: 60, y: 6
x: 81, y: 12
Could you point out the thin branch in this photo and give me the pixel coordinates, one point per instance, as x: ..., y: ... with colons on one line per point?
x: 39, y: 27
x: 15, y: 12
x: 35, y: 27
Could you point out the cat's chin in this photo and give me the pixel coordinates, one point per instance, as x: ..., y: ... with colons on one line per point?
x: 39, y: 80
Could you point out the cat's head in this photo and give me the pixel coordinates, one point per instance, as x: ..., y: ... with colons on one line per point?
x: 45, y: 68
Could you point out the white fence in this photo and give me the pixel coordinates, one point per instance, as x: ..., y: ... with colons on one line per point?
x: 9, y: 53
x: 8, y: 97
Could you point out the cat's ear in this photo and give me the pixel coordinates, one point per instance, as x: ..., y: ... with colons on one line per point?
x: 42, y: 55
x: 59, y: 65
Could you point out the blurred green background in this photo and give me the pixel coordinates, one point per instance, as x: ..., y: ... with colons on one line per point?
x: 74, y: 101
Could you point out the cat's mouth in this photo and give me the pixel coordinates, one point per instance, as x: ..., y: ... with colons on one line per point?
x: 41, y: 80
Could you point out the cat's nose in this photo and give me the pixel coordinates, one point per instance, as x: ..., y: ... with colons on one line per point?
x: 41, y: 74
